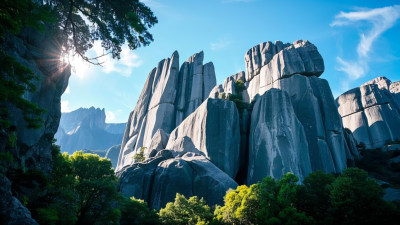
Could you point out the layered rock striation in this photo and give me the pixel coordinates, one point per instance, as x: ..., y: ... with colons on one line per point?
x: 170, y: 95
x: 372, y: 112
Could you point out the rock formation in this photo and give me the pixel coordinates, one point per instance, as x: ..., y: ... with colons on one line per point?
x: 12, y: 211
x: 372, y: 112
x: 278, y: 144
x: 86, y: 129
x: 295, y: 68
x: 213, y: 130
x: 159, y: 178
x: 170, y: 95
x: 40, y: 53
x: 276, y: 117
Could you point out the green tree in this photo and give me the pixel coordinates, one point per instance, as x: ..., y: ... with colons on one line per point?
x: 139, y: 157
x: 81, y: 22
x: 314, y: 196
x: 134, y: 211
x: 81, y: 190
x: 186, y: 211
x: 356, y: 199
x: 266, y: 202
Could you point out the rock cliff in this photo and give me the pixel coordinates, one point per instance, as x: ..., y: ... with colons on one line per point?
x: 39, y: 52
x: 276, y: 117
x: 372, y: 112
x: 293, y: 68
x: 86, y: 129
x: 170, y: 95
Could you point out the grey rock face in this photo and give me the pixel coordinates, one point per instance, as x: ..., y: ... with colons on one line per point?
x: 12, y: 211
x: 214, y: 130
x: 278, y: 143
x: 279, y: 61
x: 295, y: 69
x: 87, y: 129
x: 40, y: 53
x: 158, y: 142
x: 158, y: 179
x: 169, y: 96
x: 372, y: 112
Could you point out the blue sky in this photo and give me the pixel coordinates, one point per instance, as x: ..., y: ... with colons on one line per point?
x: 358, y: 40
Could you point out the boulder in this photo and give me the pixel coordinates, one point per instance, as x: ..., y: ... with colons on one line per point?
x: 158, y: 179
x: 12, y: 211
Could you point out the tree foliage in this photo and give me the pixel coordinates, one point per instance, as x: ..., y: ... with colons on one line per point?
x: 81, y: 22
x: 15, y: 78
x: 351, y: 198
x: 184, y: 211
x: 134, y: 211
x: 81, y: 190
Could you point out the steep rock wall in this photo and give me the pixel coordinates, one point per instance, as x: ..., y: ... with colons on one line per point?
x: 169, y: 96
x: 372, y: 112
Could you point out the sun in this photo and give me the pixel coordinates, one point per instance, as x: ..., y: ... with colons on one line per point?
x: 79, y: 67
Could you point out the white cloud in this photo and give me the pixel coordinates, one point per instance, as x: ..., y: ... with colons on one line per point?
x: 67, y: 90
x: 381, y: 19
x: 220, y: 44
x: 65, y: 107
x: 110, y: 116
x: 355, y: 69
x: 124, y: 66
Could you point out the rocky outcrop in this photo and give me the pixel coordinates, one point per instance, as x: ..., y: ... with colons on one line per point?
x: 266, y: 63
x: 278, y: 143
x: 12, y: 211
x: 39, y: 52
x: 85, y: 128
x: 276, y: 117
x: 372, y: 112
x: 170, y: 95
x: 295, y: 68
x: 213, y: 129
x: 159, y: 178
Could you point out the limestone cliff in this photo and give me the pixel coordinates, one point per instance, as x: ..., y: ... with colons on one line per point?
x: 276, y: 117
x: 372, y: 112
x: 170, y: 95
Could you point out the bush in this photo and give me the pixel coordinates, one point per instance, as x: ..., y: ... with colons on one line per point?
x: 134, y: 211
x: 184, y: 211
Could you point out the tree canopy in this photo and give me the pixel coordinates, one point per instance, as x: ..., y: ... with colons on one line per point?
x: 81, y: 22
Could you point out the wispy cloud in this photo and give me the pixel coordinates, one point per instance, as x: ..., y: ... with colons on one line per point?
x: 124, y: 66
x: 381, y: 20
x: 65, y: 107
x: 110, y: 116
x: 67, y: 90
x: 220, y: 44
